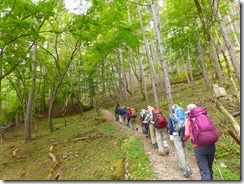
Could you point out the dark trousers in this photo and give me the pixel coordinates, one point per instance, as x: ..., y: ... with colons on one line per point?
x: 205, y: 157
x: 145, y: 128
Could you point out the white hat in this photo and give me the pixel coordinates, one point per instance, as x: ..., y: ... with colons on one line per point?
x: 189, y: 107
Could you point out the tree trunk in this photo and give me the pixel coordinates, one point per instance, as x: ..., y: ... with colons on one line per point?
x: 155, y: 58
x: 230, y: 48
x: 203, y: 66
x: 187, y: 77
x: 148, y: 59
x: 144, y: 86
x: 120, y: 91
x: 124, y: 83
x: 234, y: 32
x: 28, y: 115
x: 190, y: 69
x: 161, y: 53
x: 208, y: 37
x: 217, y: 63
x: 130, y: 74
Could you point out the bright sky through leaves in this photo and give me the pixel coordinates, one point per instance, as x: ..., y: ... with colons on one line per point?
x: 77, y: 6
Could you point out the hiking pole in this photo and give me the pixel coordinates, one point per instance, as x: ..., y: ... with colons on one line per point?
x: 218, y: 169
x: 188, y: 171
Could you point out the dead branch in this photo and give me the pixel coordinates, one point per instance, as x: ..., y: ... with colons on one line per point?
x: 233, y: 135
x: 51, y: 148
x: 54, y: 160
x: 88, y: 138
x: 58, y: 175
x: 14, y: 152
x: 235, y: 114
x: 230, y: 118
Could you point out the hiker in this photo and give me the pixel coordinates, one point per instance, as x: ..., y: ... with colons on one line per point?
x: 133, y: 119
x: 176, y: 130
x: 151, y: 127
x: 144, y: 122
x: 123, y: 116
x: 159, y: 123
x: 204, y: 154
x: 116, y: 111
x: 128, y: 116
x: 119, y: 111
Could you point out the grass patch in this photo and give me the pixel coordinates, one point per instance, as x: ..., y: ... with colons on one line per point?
x: 85, y: 149
x: 138, y: 164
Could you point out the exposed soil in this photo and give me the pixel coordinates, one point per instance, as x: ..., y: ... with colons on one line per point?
x: 165, y: 168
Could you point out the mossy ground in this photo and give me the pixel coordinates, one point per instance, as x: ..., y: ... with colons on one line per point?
x: 85, y: 149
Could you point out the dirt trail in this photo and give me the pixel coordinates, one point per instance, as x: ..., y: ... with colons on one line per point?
x: 165, y: 168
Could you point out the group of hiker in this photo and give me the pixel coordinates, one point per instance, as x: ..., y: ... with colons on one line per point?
x: 194, y: 123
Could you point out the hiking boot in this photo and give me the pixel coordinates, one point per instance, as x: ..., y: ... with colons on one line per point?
x: 155, y: 145
x: 166, y: 149
x: 188, y: 173
x: 162, y: 153
x: 147, y: 136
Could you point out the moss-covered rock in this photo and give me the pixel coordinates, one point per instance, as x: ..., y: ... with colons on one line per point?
x: 118, y: 170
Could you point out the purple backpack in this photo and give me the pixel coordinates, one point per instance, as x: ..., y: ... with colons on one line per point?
x: 204, y: 132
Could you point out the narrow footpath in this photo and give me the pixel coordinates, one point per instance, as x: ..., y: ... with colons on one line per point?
x: 165, y: 168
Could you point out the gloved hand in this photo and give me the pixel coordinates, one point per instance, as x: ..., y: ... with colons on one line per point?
x: 182, y: 139
x: 171, y: 137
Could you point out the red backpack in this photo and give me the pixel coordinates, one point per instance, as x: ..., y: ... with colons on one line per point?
x: 204, y: 132
x: 159, y: 119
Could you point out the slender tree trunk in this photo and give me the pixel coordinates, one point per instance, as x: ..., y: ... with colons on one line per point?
x: 148, y: 59
x: 227, y: 63
x: 155, y: 58
x: 120, y: 91
x: 130, y: 60
x: 208, y: 37
x: 203, y: 66
x: 230, y: 48
x: 161, y: 53
x: 130, y: 74
x: 234, y: 32
x: 123, y: 75
x: 28, y: 115
x: 144, y: 86
x: 186, y: 72
x: 217, y: 63
x: 190, y: 69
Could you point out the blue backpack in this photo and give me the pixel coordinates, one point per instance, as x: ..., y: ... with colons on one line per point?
x: 178, y: 117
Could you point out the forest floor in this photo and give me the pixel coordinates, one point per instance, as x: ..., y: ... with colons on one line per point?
x: 165, y: 168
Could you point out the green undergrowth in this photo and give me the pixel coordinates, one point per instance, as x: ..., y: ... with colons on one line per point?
x: 138, y: 167
x: 85, y: 149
